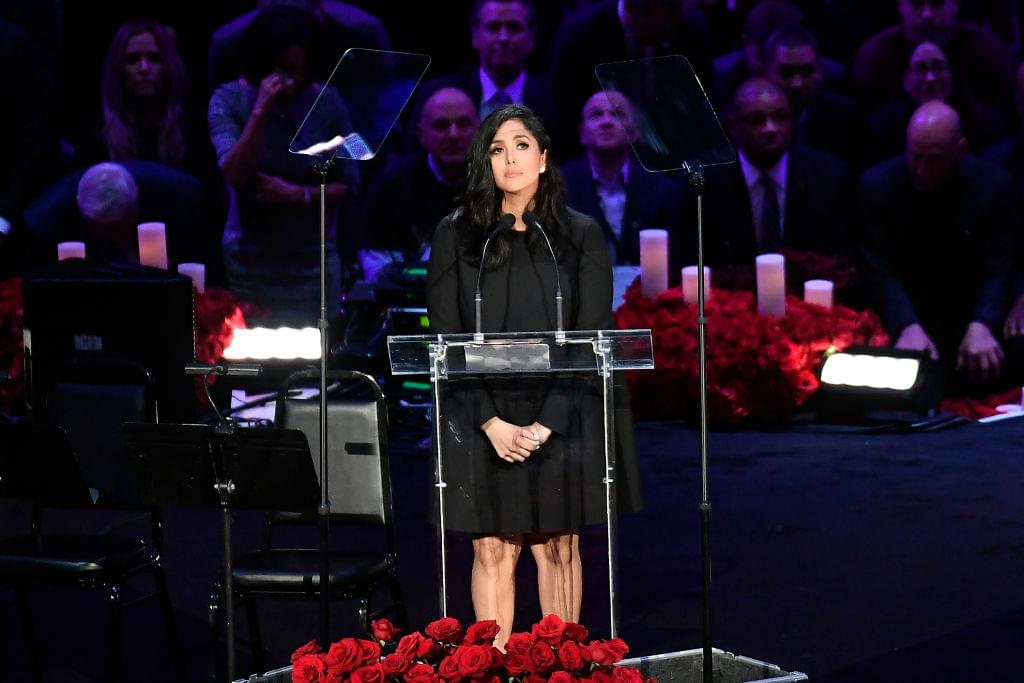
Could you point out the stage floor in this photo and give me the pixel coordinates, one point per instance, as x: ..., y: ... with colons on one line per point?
x: 849, y: 557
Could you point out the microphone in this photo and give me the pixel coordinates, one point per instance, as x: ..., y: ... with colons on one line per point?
x: 504, y: 223
x: 530, y: 218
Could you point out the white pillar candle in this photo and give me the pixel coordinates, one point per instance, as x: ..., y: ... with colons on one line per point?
x: 771, y: 284
x: 196, y: 271
x: 153, y: 245
x: 653, y: 261
x: 818, y: 292
x: 690, y: 284
x: 70, y: 250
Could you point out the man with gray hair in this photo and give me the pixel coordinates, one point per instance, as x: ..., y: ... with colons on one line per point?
x: 938, y: 244
x: 108, y: 202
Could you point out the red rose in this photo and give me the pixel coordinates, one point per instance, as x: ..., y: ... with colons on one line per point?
x: 482, y: 632
x: 418, y: 671
x: 624, y: 674
x: 368, y: 674
x: 448, y: 669
x: 309, y: 668
x: 415, y: 646
x: 599, y: 676
x: 560, y: 677
x: 473, y: 660
x: 344, y: 656
x: 425, y: 678
x: 310, y: 648
x: 607, y: 652
x: 570, y: 655
x: 535, y: 678
x: 447, y: 630
x: 517, y: 653
x: 395, y: 664
x: 542, y: 657
x: 383, y: 629
x: 369, y: 652
x: 576, y: 632
x: 550, y: 629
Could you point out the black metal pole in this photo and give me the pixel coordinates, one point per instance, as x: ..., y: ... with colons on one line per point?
x: 695, y: 175
x: 324, y: 509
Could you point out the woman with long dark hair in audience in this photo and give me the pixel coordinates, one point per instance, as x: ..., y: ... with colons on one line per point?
x: 143, y: 92
x: 524, y: 459
x: 272, y: 238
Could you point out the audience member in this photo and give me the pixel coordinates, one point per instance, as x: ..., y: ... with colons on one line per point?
x: 272, y: 238
x: 763, y: 20
x: 1009, y: 155
x: 980, y: 63
x: 143, y: 93
x: 502, y: 32
x: 614, y: 30
x: 344, y: 26
x: 427, y: 182
x: 777, y: 194
x: 607, y: 184
x: 102, y: 206
x: 821, y: 119
x: 937, y: 241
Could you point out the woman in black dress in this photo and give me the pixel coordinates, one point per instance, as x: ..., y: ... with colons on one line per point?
x: 523, y: 456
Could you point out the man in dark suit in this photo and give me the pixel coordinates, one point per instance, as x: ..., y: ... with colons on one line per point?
x: 938, y: 242
x: 606, y: 184
x: 502, y: 32
x: 776, y: 195
x: 427, y: 181
x: 344, y: 26
x: 614, y: 30
x: 821, y: 119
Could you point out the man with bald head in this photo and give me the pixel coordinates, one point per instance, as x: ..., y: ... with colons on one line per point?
x: 778, y: 195
x: 426, y: 180
x: 607, y: 184
x: 938, y: 240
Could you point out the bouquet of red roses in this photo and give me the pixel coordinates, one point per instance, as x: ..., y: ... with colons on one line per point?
x: 759, y: 367
x: 553, y: 651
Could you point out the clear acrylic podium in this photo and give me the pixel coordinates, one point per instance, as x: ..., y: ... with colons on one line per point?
x: 594, y: 352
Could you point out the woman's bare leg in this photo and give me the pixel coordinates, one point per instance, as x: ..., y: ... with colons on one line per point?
x: 494, y: 581
x: 559, y: 574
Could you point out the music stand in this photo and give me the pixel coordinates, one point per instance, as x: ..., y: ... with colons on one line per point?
x: 188, y: 465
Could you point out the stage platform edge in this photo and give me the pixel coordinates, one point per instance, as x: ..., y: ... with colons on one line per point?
x: 685, y: 666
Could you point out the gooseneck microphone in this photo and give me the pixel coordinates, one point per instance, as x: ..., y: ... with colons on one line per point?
x: 504, y: 223
x: 530, y: 218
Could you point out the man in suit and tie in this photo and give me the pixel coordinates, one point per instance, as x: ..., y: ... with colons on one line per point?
x: 502, y: 33
x: 606, y: 184
x: 777, y: 195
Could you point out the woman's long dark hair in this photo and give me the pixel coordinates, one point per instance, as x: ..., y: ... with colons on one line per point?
x: 121, y: 126
x: 481, y: 198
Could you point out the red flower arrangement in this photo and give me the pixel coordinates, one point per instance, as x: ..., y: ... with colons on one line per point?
x: 553, y: 651
x: 759, y: 367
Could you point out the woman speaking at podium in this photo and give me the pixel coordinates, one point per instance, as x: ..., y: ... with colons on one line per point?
x: 523, y: 455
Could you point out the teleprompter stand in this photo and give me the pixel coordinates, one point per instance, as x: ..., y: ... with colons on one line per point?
x: 240, y: 469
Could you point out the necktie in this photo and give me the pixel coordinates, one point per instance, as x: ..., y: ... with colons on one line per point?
x: 771, y: 224
x: 498, y: 100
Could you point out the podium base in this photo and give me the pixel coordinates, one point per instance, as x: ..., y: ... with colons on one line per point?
x: 687, y: 666
x: 670, y: 667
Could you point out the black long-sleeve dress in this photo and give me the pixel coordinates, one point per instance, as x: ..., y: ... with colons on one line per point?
x: 559, y: 488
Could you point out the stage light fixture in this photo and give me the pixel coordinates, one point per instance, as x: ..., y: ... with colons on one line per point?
x: 283, y: 343
x: 863, y: 380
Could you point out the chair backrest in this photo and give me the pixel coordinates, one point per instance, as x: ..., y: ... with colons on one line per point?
x: 359, y: 482
x: 92, y: 401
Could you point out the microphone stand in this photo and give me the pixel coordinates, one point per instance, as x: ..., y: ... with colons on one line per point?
x: 559, y: 327
x: 695, y: 176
